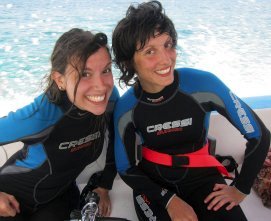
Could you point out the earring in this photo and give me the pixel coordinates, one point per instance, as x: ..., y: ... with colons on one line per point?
x: 60, y: 88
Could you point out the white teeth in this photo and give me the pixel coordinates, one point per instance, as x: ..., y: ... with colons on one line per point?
x: 163, y: 71
x: 96, y: 98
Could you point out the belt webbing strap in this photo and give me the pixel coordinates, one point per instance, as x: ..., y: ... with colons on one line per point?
x: 199, y: 158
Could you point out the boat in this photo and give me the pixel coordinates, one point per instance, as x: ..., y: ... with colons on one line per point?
x: 228, y: 140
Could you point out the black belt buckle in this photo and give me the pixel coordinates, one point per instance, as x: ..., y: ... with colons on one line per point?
x: 178, y: 161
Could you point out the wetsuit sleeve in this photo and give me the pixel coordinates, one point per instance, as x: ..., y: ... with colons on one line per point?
x: 125, y: 155
x: 215, y: 95
x: 255, y: 154
x: 109, y: 172
x: 253, y: 130
x: 23, y: 124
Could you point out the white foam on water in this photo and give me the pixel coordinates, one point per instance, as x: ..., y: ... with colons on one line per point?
x: 13, y: 105
x: 213, y: 35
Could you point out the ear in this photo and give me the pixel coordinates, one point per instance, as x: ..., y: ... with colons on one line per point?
x: 59, y: 79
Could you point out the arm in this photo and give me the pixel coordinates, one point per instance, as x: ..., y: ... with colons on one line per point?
x: 107, y: 177
x: 105, y: 183
x: 26, y: 125
x: 250, y: 126
x: 109, y: 172
x: 256, y: 134
x: 31, y: 119
x: 214, y: 95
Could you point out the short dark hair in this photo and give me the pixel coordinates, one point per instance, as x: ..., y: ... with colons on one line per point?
x: 138, y: 26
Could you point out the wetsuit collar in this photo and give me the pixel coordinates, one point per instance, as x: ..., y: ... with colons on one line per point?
x: 160, y: 97
x: 69, y: 108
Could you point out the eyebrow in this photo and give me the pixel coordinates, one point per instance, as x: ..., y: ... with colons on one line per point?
x: 149, y: 46
x: 89, y: 69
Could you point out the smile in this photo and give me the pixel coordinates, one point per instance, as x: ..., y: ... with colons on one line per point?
x: 162, y: 72
x: 96, y: 98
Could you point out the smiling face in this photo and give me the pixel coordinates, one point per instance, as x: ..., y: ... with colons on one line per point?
x: 95, y: 86
x: 155, y: 63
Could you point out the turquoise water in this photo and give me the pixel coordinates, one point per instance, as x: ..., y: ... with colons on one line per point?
x: 231, y: 38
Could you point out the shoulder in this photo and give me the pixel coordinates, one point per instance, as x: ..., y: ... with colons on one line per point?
x: 45, y: 109
x: 126, y: 102
x: 188, y: 74
x: 112, y: 100
x: 191, y: 80
x: 115, y: 95
x: 29, y: 120
x: 41, y: 109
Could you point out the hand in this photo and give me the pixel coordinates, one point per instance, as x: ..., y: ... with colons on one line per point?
x: 105, y: 203
x: 267, y: 161
x: 222, y: 195
x: 9, y: 206
x: 179, y: 210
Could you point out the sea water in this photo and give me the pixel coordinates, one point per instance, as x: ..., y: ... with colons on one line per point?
x: 231, y: 38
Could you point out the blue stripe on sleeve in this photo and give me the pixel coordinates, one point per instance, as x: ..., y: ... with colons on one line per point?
x: 35, y: 157
x: 197, y: 81
x: 29, y: 120
x: 124, y: 105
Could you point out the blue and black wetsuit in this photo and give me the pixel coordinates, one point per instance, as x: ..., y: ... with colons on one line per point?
x: 59, y: 141
x: 176, y: 121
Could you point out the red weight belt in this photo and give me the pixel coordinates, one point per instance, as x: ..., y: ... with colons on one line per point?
x: 199, y: 158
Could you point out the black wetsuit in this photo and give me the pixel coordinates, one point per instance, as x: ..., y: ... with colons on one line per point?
x: 176, y: 121
x: 59, y: 141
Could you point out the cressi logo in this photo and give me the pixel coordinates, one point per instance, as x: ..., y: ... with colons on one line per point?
x: 242, y: 114
x: 82, y: 142
x: 170, y: 126
x: 145, y: 207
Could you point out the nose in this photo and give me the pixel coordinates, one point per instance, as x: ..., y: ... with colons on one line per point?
x: 98, y: 82
x: 165, y: 56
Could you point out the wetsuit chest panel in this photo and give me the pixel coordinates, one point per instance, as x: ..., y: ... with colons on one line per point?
x: 83, y: 143
x: 165, y: 126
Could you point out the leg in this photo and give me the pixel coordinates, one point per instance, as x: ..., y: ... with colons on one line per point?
x: 58, y: 209
x: 147, y: 210
x: 197, y: 201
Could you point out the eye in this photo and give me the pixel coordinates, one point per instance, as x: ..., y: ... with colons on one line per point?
x: 107, y: 70
x: 169, y: 45
x: 86, y: 74
x: 149, y: 52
